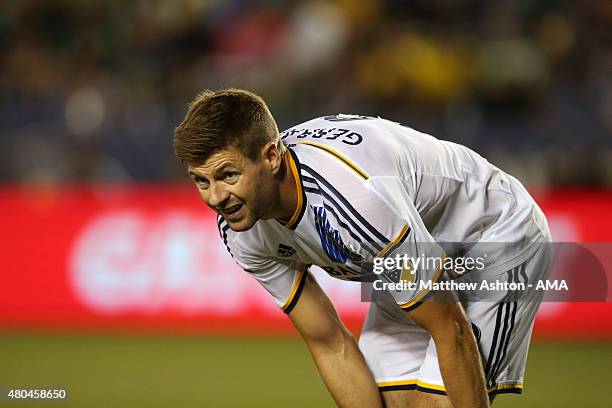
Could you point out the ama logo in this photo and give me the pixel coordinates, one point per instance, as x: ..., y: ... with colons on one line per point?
x: 330, y: 238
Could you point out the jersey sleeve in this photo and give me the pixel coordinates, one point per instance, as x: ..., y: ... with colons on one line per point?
x: 283, y: 279
x: 413, y: 248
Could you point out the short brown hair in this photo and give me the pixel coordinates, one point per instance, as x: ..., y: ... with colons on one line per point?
x: 217, y: 120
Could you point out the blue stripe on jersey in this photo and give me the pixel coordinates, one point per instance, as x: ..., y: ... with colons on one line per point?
x: 335, y: 209
x: 364, y: 237
x: 344, y: 201
x: 331, y: 241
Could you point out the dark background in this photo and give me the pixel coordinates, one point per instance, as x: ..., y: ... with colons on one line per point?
x: 91, y: 90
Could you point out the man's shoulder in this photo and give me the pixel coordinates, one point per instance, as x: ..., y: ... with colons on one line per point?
x: 337, y: 148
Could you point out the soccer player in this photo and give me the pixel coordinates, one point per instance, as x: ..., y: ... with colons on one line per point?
x: 341, y: 192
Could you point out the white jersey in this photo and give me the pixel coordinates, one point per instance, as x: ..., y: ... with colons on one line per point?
x: 369, y: 187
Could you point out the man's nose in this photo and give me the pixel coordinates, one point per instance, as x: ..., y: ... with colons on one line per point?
x: 217, y: 195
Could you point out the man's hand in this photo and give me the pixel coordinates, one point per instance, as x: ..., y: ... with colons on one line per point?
x: 334, y: 350
x: 458, y: 355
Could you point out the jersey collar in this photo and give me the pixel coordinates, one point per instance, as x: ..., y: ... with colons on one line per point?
x: 294, y: 165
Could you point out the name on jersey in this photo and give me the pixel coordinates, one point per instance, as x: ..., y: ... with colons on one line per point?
x: 343, y: 135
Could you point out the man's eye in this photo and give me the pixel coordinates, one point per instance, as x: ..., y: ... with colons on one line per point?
x: 200, y: 181
x: 230, y: 176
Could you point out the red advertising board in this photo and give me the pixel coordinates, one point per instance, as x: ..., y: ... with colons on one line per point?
x: 149, y: 258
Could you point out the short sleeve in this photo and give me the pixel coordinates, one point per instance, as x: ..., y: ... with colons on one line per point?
x: 283, y: 279
x: 413, y: 248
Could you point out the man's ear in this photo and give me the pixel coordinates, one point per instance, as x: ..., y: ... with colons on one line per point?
x: 272, y: 156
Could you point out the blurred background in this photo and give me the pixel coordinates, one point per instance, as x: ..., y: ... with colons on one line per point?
x: 114, y: 282
x: 91, y: 91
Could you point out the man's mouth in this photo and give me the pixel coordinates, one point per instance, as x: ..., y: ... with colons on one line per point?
x: 232, y: 210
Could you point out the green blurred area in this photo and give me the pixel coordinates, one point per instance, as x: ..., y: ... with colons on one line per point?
x: 256, y: 372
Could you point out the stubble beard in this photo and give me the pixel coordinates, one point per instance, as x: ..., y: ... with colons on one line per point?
x: 260, y: 208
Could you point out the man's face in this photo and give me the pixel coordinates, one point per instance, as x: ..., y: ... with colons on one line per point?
x: 239, y: 189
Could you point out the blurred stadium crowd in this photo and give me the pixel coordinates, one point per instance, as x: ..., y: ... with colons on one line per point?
x: 91, y: 91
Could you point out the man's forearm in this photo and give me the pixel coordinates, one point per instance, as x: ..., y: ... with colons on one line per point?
x: 345, y: 373
x: 461, y: 368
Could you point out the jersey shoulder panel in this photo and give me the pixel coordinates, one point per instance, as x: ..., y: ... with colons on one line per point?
x: 283, y: 278
x: 371, y: 144
x: 339, y: 201
x: 248, y: 248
